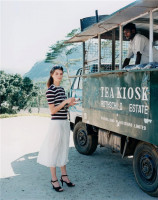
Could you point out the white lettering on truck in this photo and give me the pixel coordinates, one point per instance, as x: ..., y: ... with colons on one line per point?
x: 125, y: 93
x: 137, y: 93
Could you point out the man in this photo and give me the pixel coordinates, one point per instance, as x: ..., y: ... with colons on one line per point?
x: 138, y: 46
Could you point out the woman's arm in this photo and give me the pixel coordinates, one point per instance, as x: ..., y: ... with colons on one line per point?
x: 54, y: 109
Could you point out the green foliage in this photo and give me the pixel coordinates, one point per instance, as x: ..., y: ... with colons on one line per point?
x: 72, y: 33
x: 16, y: 92
x: 61, y: 48
x: 41, y: 101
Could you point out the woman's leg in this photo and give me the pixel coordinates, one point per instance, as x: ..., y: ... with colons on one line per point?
x: 53, y: 173
x: 54, y: 177
x: 64, y: 172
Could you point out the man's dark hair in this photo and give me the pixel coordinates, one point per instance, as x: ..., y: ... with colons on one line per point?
x: 130, y: 26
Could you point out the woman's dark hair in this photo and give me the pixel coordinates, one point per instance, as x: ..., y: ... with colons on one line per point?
x: 50, y: 80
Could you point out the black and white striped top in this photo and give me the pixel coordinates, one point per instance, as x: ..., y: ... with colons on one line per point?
x: 56, y: 95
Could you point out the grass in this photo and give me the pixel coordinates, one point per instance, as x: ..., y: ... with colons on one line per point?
x: 24, y: 114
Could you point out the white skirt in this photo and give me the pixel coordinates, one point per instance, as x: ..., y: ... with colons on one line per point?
x: 55, y: 148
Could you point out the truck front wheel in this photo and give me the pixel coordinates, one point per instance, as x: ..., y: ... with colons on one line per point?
x: 85, y: 142
x: 145, y: 165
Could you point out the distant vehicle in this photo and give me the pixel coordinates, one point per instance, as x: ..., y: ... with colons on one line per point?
x: 118, y: 107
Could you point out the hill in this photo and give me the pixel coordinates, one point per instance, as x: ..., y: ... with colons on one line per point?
x: 40, y: 71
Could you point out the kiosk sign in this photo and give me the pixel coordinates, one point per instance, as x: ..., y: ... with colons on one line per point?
x: 121, y: 102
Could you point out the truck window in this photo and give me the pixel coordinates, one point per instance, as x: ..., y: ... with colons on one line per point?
x: 76, y: 83
x: 80, y: 83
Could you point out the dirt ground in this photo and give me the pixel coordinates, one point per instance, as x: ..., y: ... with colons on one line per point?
x: 103, y: 175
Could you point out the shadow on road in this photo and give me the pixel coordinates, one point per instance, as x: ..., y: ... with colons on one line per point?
x: 104, y: 175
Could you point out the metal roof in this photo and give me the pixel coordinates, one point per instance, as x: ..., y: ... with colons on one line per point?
x: 129, y: 13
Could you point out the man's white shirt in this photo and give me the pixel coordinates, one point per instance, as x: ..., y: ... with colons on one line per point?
x: 141, y: 44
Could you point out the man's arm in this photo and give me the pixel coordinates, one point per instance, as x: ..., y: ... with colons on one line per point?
x: 138, y: 58
x: 126, y: 62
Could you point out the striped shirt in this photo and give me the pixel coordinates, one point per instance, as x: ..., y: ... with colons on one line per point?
x: 56, y: 95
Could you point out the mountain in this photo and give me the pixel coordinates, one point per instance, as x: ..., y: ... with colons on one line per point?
x: 40, y: 71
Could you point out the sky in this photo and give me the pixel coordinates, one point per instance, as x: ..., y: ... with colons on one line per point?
x: 29, y: 28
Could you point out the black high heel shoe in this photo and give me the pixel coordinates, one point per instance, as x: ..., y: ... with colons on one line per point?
x: 68, y: 184
x: 58, y: 189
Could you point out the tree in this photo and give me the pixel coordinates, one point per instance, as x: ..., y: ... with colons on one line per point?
x: 61, y: 48
x: 61, y: 52
x: 16, y: 93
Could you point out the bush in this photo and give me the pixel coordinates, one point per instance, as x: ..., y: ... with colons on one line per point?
x: 16, y: 92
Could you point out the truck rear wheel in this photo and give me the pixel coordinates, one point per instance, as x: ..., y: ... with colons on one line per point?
x: 85, y: 142
x: 145, y: 165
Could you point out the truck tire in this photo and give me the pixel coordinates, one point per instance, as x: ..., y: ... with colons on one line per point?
x: 145, y: 165
x: 85, y: 141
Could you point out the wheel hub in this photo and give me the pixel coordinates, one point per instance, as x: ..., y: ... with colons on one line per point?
x: 82, y: 137
x: 147, y: 167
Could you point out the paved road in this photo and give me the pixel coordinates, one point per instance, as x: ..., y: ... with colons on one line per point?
x: 104, y: 175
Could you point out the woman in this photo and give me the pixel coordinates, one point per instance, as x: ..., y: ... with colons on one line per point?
x: 54, y: 151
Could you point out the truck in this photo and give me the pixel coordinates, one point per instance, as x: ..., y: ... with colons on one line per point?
x: 118, y: 107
